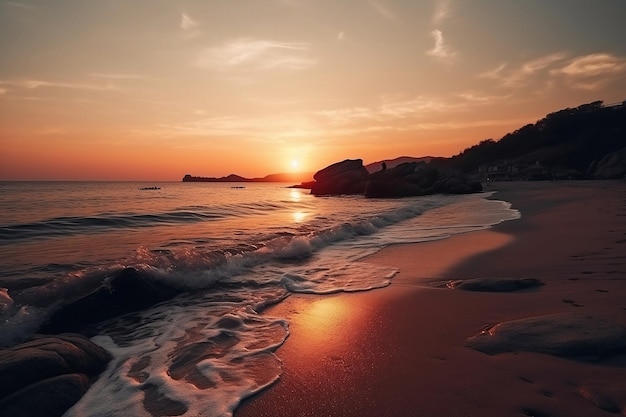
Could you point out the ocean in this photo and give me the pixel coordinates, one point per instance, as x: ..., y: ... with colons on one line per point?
x: 228, y: 250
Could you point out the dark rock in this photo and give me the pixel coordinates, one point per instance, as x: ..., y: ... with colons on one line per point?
x: 124, y: 292
x: 48, y: 374
x: 51, y: 397
x: 48, y: 356
x: 346, y: 177
x: 565, y: 334
x: 495, y: 284
x: 404, y: 180
x: 612, y: 166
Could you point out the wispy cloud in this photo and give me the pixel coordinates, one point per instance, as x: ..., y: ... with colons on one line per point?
x: 393, y: 114
x: 595, y: 65
x: 442, y: 12
x: 270, y: 128
x: 257, y: 54
x: 440, y: 49
x: 341, y: 36
x: 587, y: 72
x: 20, y: 5
x: 592, y: 72
x: 113, y: 76
x: 36, y: 84
x: 384, y: 11
x: 478, y: 98
x: 186, y: 22
x: 523, y: 74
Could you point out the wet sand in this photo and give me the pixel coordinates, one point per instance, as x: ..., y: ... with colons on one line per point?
x: 402, y: 350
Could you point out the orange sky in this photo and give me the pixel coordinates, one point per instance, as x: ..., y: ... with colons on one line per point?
x: 155, y: 89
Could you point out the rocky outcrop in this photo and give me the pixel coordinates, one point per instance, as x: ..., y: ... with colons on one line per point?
x: 345, y: 177
x: 612, y: 166
x: 404, y: 180
x: 48, y: 374
x: 126, y: 291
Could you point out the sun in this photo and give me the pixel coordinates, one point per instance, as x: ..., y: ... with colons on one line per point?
x: 294, y: 164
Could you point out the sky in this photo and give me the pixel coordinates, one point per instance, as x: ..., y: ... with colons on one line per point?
x: 156, y: 89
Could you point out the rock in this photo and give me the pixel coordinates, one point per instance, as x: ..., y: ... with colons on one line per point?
x: 564, y: 334
x: 124, y: 292
x: 51, y: 397
x: 495, y: 284
x: 612, y: 166
x: 404, y: 180
x: 48, y: 356
x: 48, y: 374
x: 345, y: 177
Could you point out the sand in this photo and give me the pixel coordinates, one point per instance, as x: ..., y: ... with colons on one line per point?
x: 403, y: 350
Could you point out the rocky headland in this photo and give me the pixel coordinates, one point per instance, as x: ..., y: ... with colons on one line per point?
x: 350, y: 177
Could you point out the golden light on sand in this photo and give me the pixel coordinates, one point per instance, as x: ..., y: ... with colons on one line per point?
x: 322, y: 319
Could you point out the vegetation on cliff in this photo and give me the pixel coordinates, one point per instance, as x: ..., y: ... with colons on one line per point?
x: 573, y: 140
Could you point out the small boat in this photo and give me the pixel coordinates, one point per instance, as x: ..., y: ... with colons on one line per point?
x: 238, y: 186
x: 150, y: 188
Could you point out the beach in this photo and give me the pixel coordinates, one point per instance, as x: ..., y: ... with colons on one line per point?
x: 403, y: 350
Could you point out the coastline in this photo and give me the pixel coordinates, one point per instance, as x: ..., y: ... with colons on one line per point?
x: 401, y: 350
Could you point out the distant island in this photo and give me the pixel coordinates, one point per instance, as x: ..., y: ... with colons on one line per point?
x: 282, y: 177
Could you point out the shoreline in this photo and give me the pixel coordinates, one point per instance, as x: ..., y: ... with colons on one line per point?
x: 401, y: 350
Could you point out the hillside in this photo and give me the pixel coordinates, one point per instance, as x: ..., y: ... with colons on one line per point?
x: 571, y: 142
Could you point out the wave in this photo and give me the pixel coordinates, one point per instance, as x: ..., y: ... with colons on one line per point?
x: 73, y: 225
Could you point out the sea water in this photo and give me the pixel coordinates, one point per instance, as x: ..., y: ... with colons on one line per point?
x: 228, y: 249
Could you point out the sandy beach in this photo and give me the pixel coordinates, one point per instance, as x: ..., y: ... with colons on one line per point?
x: 403, y: 350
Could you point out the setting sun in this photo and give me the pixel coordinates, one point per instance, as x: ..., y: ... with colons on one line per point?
x: 294, y: 164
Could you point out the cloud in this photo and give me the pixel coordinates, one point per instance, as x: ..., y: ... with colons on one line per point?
x: 525, y: 73
x: 383, y: 11
x: 187, y: 23
x: 442, y: 12
x: 595, y: 65
x: 440, y: 50
x: 592, y: 72
x: 257, y: 54
x: 341, y: 36
x: 587, y: 72
x: 479, y: 98
x: 270, y: 128
x: 117, y: 76
x: 35, y: 84
x: 20, y: 5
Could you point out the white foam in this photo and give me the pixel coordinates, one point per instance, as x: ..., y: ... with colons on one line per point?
x: 16, y: 324
x: 194, y: 352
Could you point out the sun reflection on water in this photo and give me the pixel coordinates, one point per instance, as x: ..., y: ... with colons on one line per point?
x: 296, y: 195
x: 299, y: 216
